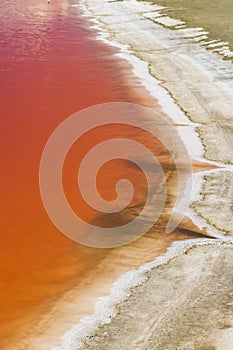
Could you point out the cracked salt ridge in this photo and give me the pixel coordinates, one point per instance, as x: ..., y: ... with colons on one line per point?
x: 106, y: 306
x: 198, y: 182
x: 189, y: 33
x: 217, y: 208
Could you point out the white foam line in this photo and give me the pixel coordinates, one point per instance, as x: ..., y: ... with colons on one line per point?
x: 195, y: 148
x: 105, y: 308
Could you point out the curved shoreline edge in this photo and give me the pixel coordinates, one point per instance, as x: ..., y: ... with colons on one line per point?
x: 176, y: 94
x: 200, y: 130
x: 82, y: 335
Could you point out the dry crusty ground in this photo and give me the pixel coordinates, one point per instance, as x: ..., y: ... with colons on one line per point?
x: 184, y: 304
x: 215, y: 203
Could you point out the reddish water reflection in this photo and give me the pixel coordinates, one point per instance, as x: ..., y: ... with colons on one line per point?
x: 50, y: 67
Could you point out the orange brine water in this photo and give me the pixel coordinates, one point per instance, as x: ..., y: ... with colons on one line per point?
x: 51, y: 67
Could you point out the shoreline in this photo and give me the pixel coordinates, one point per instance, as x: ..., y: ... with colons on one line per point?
x: 189, y: 118
x: 195, y: 218
x: 37, y: 333
x: 185, y: 123
x: 170, y: 304
x: 163, y: 44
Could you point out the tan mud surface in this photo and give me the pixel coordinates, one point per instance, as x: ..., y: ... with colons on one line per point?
x: 184, y: 304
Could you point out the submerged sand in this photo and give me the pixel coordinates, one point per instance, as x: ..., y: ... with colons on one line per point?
x: 186, y: 303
